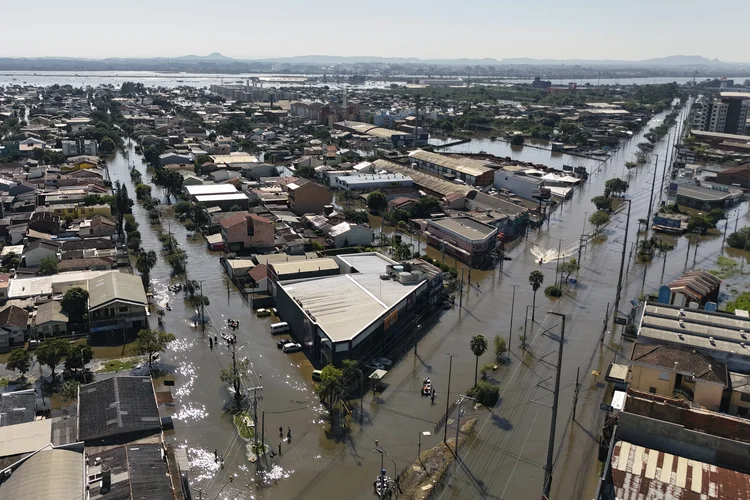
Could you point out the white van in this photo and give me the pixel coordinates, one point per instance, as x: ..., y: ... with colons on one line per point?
x: 278, y: 328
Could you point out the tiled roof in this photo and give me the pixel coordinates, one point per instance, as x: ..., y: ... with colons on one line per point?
x: 14, y: 316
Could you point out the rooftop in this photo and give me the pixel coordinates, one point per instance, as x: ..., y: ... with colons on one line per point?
x: 50, y: 474
x: 639, y: 472
x: 466, y: 166
x: 50, y: 312
x: 117, y: 405
x: 26, y: 437
x: 221, y: 197
x: 116, y: 286
x: 706, y: 194
x: 345, y: 305
x: 696, y: 284
x: 17, y: 407
x: 698, y: 329
x: 430, y: 182
x: 138, y: 472
x: 303, y: 266
x: 273, y: 258
x: 735, y: 95
x: 685, y: 361
x: 234, y: 158
x: 465, y: 227
x: 207, y: 189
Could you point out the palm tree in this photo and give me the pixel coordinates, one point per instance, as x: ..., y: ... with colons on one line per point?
x: 536, y: 278
x: 478, y: 347
x: 145, y: 262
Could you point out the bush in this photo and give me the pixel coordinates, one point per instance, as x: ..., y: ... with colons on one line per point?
x: 553, y: 291
x: 485, y: 393
x: 190, y: 226
x: 517, y: 140
x: 134, y: 243
x: 486, y: 368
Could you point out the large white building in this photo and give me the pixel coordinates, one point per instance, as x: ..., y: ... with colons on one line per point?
x: 348, y: 181
x: 726, y: 114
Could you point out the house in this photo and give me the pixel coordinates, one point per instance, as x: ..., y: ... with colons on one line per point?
x: 83, y: 162
x: 38, y: 250
x: 87, y: 263
x: 258, y: 278
x: 170, y: 158
x: 119, y: 408
x: 308, y: 197
x: 665, y: 370
x: 735, y: 176
x: 50, y: 320
x: 97, y: 226
x: 45, y: 222
x: 402, y: 203
x: 455, y: 200
x: 13, y: 323
x: 117, y: 302
x: 707, y: 196
x: 76, y: 249
x: 698, y: 287
x: 243, y: 231
x: 346, y: 234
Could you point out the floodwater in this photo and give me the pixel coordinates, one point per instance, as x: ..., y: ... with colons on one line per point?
x: 506, y: 459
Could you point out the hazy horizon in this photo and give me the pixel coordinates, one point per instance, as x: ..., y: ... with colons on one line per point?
x: 581, y: 29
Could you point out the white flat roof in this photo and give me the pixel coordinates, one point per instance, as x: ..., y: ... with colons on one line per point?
x: 31, y: 287
x: 204, y: 189
x: 221, y: 197
x: 25, y: 438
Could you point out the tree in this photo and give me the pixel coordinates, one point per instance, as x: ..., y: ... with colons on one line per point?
x: 182, y: 208
x: 233, y: 375
x: 19, y: 361
x: 142, y: 191
x: 478, y: 345
x: 740, y: 239
x: 150, y: 342
x: 51, y: 352
x: 306, y: 172
x: 350, y: 374
x: 78, y: 356
x: 107, y: 146
x: 145, y: 262
x: 602, y: 203
x: 536, y: 278
x: 517, y: 140
x: 500, y: 347
x: 69, y: 390
x: 569, y: 267
x: 598, y: 219
x: 48, y: 266
x: 616, y: 186
x: 402, y: 251
x: 377, y: 201
x: 426, y: 205
x: 700, y: 223
x: 330, y: 384
x: 486, y: 393
x: 11, y: 260
x: 75, y: 302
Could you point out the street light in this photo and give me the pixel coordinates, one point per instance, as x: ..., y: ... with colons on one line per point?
x: 651, y: 199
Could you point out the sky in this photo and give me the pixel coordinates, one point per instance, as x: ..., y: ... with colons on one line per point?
x: 435, y: 29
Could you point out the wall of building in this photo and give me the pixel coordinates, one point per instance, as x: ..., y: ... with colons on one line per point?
x: 522, y: 186
x: 737, y: 406
x: 644, y: 378
x: 708, y: 395
x: 309, y: 199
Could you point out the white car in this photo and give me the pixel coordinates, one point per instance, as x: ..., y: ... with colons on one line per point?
x: 291, y: 347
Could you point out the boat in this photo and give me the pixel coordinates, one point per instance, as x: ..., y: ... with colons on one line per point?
x: 426, y: 387
x: 168, y: 307
x: 381, y: 483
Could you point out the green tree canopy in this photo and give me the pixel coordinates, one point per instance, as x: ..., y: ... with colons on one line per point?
x: 19, y: 361
x: 150, y: 342
x: 740, y: 239
x: 602, y: 203
x: 51, y: 352
x: 75, y: 302
x: 78, y: 356
x: 478, y: 345
x: 48, y: 266
x: 501, y: 347
x: 330, y: 385
x: 107, y: 146
x: 616, y: 186
x: 599, y: 218
x: 306, y: 172
x: 377, y: 201
x: 426, y: 205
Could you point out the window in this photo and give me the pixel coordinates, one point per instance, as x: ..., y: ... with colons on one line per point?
x: 664, y: 376
x: 745, y: 398
x: 652, y: 390
x: 123, y: 309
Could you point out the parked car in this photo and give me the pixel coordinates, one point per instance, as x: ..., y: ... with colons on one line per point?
x: 385, y: 363
x: 291, y: 347
x: 262, y: 313
x: 274, y: 311
x: 281, y: 343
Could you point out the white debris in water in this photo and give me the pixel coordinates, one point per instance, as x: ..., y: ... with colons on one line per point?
x: 203, y: 463
x: 191, y: 412
x: 181, y: 345
x: 276, y: 473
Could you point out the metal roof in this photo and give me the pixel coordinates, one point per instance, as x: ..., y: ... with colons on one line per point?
x: 116, y: 286
x: 430, y: 182
x: 466, y: 227
x: 639, y: 472
x: 50, y: 474
x: 45, y: 285
x: 704, y: 194
x: 221, y: 197
x: 466, y: 166
x: 304, y: 266
x: 27, y: 437
x: 206, y: 189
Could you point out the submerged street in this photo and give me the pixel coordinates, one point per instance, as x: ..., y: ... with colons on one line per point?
x: 507, y: 457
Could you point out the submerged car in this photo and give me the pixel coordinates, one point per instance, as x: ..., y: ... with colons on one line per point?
x: 291, y: 347
x: 262, y: 313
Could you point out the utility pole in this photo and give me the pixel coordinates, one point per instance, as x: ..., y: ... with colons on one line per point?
x: 651, y: 199
x: 724, y: 239
x: 461, y: 291
x: 664, y: 172
x: 583, y: 235
x: 255, y: 436
x: 448, y: 394
x: 575, y: 396
x: 553, y: 423
x: 687, y: 256
x: 604, y: 327
x: 203, y: 308
x: 622, y: 259
x: 512, y: 307
x: 695, y: 252
x: 263, y: 429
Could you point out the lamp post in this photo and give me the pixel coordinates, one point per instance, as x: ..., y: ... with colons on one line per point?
x: 622, y: 258
x: 553, y: 423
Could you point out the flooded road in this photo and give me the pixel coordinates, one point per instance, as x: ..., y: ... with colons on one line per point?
x: 506, y: 459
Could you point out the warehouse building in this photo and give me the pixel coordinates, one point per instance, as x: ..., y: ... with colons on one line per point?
x: 374, y: 303
x: 397, y: 138
x: 454, y: 168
